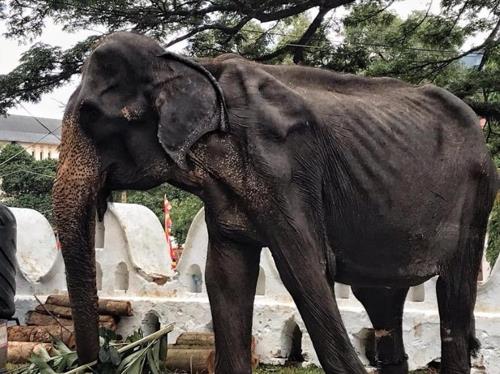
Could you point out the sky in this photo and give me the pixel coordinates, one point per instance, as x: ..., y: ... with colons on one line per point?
x: 52, y: 104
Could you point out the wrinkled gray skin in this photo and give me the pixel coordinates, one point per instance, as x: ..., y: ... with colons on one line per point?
x: 370, y: 182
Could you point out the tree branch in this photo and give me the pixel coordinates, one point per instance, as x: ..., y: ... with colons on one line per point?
x: 440, y: 63
x: 377, y: 12
x: 298, y: 54
x: 297, y: 9
x: 484, y: 109
x: 419, y: 23
x: 237, y: 28
x: 276, y: 53
x: 459, y: 15
x: 488, y: 44
x: 195, y: 31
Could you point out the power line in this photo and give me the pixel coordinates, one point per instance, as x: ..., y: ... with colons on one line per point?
x: 28, y: 172
x: 38, y: 121
x: 36, y: 173
x: 30, y: 146
x: 379, y: 45
x: 50, y: 132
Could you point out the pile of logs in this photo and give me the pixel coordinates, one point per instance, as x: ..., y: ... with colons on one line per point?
x: 194, y: 352
x: 53, y: 320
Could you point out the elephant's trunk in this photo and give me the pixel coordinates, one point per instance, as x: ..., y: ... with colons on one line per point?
x: 74, y: 199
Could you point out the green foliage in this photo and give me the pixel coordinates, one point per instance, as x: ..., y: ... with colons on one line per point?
x: 183, y: 212
x: 493, y: 249
x: 184, y: 206
x: 14, y: 161
x: 41, y: 69
x: 425, y: 47
x: 44, y: 67
x: 410, y: 49
x: 250, y: 41
x: 26, y: 183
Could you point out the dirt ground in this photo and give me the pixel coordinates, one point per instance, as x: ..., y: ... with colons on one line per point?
x: 268, y: 369
x: 265, y: 369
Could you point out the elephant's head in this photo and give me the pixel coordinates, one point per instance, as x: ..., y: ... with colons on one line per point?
x: 132, y: 120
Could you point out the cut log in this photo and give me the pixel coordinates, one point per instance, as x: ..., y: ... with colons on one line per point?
x: 20, y: 352
x: 185, y: 346
x: 39, y: 319
x: 198, y: 349
x: 196, y: 339
x: 105, y: 306
x: 190, y: 360
x: 108, y: 325
x: 65, y: 312
x: 42, y: 334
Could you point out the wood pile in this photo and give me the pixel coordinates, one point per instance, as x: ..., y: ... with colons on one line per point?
x: 20, y: 352
x: 53, y: 320
x: 194, y: 352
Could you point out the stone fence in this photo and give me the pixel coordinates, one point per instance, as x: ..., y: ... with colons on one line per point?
x: 133, y: 264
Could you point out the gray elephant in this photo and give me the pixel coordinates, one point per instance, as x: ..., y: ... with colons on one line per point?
x: 367, y: 181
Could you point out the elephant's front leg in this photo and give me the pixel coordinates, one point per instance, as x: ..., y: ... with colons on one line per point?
x: 300, y: 258
x: 231, y: 278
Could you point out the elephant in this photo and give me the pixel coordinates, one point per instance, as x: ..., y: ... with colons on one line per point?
x: 371, y: 182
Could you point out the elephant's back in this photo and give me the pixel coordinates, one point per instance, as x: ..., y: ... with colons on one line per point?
x: 404, y: 134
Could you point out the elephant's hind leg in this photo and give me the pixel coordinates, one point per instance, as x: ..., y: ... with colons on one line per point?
x: 385, y: 309
x: 457, y: 285
x: 456, y: 293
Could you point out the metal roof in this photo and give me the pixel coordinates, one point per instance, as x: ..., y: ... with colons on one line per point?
x: 16, y: 128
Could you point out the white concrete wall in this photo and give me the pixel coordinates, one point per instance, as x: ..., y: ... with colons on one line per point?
x: 194, y: 256
x: 135, y: 265
x: 40, y: 265
x: 131, y: 243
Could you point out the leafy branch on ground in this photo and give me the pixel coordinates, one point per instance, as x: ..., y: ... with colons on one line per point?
x: 147, y: 357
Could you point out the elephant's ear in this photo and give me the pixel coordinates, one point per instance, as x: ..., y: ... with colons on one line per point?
x: 190, y: 104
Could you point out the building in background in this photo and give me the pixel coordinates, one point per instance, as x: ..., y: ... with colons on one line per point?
x: 39, y: 136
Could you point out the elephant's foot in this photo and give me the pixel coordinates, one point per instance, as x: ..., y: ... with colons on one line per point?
x: 400, y: 367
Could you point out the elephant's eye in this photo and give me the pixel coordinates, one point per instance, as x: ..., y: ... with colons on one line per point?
x: 89, y: 113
